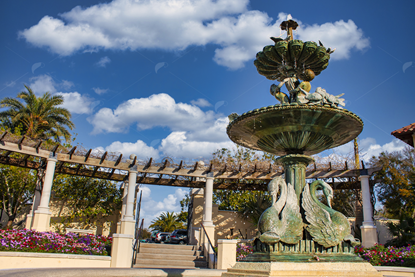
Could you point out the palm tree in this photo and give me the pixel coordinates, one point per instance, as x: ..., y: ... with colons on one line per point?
x: 39, y: 118
x: 166, y: 222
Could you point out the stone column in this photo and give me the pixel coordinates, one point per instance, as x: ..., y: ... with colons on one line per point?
x: 207, y: 218
x: 295, y: 166
x: 124, y: 204
x: 368, y: 228
x: 41, y: 220
x: 128, y: 222
x: 413, y: 138
x: 226, y: 253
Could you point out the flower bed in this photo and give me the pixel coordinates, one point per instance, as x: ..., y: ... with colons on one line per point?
x: 48, y: 242
x: 380, y: 255
x: 243, y: 250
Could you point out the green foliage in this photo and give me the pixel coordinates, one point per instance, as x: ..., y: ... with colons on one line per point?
x: 17, y: 186
x: 166, y: 222
x: 396, y: 182
x: 145, y: 234
x: 90, y: 200
x: 254, y: 205
x: 39, y: 118
x: 403, y: 232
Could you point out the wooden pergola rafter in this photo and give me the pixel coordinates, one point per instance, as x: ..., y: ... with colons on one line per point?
x: 72, y: 163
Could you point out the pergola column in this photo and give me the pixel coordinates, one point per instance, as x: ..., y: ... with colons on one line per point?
x: 368, y: 228
x: 207, y: 216
x: 41, y: 220
x: 123, y: 207
x: 128, y: 222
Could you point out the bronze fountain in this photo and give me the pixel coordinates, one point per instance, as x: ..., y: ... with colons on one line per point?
x: 298, y: 228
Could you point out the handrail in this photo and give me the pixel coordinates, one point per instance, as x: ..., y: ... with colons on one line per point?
x: 211, y: 245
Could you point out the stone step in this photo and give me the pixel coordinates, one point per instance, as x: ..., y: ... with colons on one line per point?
x: 167, y: 246
x: 167, y: 263
x: 171, y: 252
x: 163, y: 256
x: 165, y: 266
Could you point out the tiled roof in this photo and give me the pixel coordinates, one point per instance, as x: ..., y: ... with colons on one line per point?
x: 405, y: 134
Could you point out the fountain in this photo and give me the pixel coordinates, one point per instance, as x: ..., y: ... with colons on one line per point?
x: 298, y: 235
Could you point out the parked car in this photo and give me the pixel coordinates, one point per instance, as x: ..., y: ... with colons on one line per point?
x: 153, y: 236
x: 162, y: 237
x: 179, y: 236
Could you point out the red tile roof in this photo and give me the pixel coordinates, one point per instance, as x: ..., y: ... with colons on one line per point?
x: 405, y: 134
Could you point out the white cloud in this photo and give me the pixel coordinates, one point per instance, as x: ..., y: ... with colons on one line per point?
x: 77, y: 103
x: 73, y: 101
x: 139, y: 148
x: 66, y: 85
x: 41, y: 84
x: 178, y: 145
x: 175, y: 25
x: 201, y: 103
x: 369, y: 148
x: 150, y: 209
x: 100, y: 91
x: 344, y: 36
x: 155, y: 110
x: 103, y: 61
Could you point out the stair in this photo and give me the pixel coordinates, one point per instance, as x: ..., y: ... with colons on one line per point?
x: 154, y: 255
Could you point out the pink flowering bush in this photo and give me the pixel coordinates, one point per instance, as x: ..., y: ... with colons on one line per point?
x: 388, y: 256
x: 48, y: 242
x: 242, y: 251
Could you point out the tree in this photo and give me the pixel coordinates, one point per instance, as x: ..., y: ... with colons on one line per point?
x: 254, y: 205
x: 85, y: 200
x: 166, y: 222
x: 17, y: 187
x: 39, y: 118
x: 395, y: 187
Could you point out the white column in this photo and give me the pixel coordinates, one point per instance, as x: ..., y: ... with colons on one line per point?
x: 368, y: 228
x: 124, y: 199
x: 41, y: 221
x: 207, y: 215
x: 35, y: 204
x: 367, y: 204
x: 123, y: 207
x: 128, y: 222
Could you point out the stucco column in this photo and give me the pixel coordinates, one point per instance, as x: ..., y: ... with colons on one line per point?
x: 207, y: 218
x: 368, y: 228
x: 41, y: 220
x: 35, y: 204
x: 128, y: 222
x: 124, y: 204
x: 207, y: 215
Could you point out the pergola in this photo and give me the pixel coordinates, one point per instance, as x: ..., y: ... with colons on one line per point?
x: 24, y: 152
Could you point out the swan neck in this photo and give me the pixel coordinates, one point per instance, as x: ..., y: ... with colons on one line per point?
x: 283, y: 197
x: 313, y: 189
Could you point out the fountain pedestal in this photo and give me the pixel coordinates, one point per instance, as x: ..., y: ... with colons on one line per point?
x: 310, y: 269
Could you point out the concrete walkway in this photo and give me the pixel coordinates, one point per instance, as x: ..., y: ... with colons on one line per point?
x: 110, y: 272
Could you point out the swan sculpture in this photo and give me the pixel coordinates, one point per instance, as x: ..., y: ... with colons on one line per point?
x: 285, y: 226
x: 327, y: 226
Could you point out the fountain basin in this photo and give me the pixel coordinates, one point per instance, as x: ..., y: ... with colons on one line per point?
x: 295, y: 129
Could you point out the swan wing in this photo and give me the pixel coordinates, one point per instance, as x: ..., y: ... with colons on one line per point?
x: 291, y: 218
x: 320, y: 224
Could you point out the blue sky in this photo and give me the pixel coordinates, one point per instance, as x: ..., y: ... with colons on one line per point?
x: 158, y: 78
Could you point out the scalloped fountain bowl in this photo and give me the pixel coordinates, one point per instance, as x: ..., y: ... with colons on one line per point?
x: 294, y: 129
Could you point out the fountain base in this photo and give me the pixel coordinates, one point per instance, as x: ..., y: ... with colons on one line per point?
x: 310, y: 269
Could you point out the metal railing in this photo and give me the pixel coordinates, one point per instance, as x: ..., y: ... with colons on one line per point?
x: 215, y: 254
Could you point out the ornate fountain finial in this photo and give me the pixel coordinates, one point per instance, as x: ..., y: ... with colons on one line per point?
x: 289, y: 25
